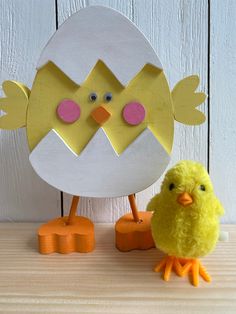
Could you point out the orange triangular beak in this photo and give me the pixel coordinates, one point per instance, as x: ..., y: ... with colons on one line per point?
x: 185, y: 199
x: 100, y: 115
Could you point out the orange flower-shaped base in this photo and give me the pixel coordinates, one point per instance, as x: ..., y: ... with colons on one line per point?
x: 131, y: 235
x: 59, y: 236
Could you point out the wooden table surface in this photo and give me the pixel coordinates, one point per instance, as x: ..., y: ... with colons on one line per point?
x: 106, y: 280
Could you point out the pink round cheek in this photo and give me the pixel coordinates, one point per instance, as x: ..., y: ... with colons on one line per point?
x: 68, y: 111
x: 134, y: 113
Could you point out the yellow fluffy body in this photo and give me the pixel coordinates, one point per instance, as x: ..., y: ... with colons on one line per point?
x: 186, y: 231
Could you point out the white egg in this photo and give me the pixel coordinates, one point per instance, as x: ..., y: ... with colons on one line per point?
x: 99, y: 33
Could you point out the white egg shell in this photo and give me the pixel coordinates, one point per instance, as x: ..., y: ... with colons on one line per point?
x: 99, y: 33
x: 92, y: 34
x: 98, y: 171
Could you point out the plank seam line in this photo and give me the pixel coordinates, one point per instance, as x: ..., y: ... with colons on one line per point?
x: 61, y: 193
x: 208, y: 84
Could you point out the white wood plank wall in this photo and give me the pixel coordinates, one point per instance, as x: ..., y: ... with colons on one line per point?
x: 190, y: 36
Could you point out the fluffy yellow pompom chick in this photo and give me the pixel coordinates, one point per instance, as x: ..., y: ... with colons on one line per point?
x: 185, y: 222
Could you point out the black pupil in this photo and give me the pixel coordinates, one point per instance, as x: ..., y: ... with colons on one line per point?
x: 171, y: 186
x: 202, y: 187
x: 108, y: 97
x: 93, y: 97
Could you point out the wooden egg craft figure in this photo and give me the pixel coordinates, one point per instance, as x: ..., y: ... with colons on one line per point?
x: 100, y: 122
x: 185, y: 221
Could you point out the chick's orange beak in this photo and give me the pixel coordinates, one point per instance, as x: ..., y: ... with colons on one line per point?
x: 185, y: 199
x: 100, y: 115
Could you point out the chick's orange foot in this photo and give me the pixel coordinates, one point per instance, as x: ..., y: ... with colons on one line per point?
x: 168, y: 263
x: 196, y: 268
x: 57, y: 236
x: 182, y: 267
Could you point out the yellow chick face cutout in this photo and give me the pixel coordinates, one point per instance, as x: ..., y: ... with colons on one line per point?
x: 100, y: 116
x: 101, y: 92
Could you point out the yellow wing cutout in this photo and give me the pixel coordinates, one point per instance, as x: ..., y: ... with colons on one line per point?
x: 185, y: 101
x: 14, y: 105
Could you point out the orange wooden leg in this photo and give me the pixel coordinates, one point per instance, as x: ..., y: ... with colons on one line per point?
x: 73, y: 210
x: 133, y: 207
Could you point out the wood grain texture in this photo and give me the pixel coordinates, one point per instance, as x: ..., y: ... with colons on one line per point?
x: 106, y: 280
x: 222, y: 105
x: 25, y: 27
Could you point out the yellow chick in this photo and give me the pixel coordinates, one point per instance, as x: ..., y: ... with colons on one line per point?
x: 100, y: 114
x: 185, y: 221
x: 100, y: 102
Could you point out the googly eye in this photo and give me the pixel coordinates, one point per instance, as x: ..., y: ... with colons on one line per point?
x: 108, y: 97
x: 171, y: 186
x: 93, y: 96
x: 202, y: 187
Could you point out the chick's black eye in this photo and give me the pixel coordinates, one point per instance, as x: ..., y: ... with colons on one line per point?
x: 171, y: 186
x: 108, y: 97
x: 202, y: 187
x: 93, y: 96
